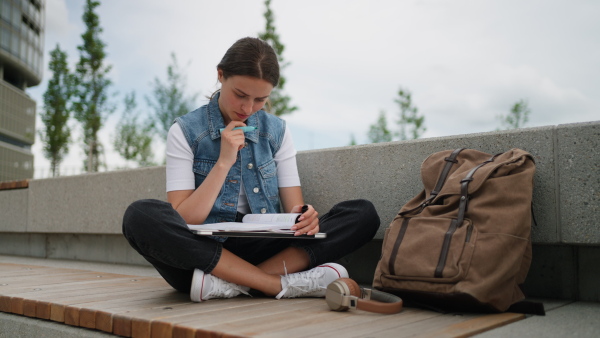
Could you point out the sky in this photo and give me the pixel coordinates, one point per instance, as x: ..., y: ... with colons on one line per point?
x: 466, y: 62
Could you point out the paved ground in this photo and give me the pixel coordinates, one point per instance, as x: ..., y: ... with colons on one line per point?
x: 563, y: 318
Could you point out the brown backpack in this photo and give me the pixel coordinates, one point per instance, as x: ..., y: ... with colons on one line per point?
x: 463, y: 243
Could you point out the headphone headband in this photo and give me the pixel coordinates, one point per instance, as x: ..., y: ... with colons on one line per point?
x: 344, y: 294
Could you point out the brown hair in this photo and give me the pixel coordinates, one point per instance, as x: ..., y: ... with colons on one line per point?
x: 251, y: 57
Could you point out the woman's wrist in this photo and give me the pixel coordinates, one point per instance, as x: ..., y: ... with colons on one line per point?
x: 222, y: 165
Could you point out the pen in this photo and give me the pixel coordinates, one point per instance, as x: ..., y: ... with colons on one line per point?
x: 304, y: 209
x: 244, y: 129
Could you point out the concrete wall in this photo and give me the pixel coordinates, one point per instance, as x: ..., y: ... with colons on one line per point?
x: 79, y: 217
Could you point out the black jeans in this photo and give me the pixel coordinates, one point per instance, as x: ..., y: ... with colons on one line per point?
x: 161, y: 236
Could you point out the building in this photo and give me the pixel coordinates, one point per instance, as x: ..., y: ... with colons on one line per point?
x: 21, y: 54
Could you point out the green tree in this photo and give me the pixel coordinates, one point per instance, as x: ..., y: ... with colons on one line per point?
x: 352, y: 140
x: 410, y: 123
x: 133, y: 140
x: 56, y: 134
x: 279, y: 101
x: 518, y: 116
x: 168, y: 99
x: 91, y: 106
x: 378, y: 132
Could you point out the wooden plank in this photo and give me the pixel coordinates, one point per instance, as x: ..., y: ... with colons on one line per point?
x: 138, y: 321
x: 72, y: 305
x: 60, y: 294
x: 353, y: 321
x: 5, y: 303
x: 45, y: 278
x: 415, y: 328
x: 142, y: 318
x: 44, y: 308
x: 58, y: 308
x: 92, y: 313
x: 164, y: 326
x: 285, y: 317
x: 80, y: 285
x: 185, y: 332
x: 17, y: 184
x: 53, y: 284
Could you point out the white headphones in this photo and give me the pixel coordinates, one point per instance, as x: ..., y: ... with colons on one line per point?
x: 344, y: 294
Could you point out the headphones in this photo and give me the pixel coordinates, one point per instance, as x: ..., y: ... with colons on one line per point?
x: 344, y: 294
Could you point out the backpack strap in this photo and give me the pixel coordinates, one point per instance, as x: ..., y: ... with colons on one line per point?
x: 457, y: 222
x: 464, y: 189
x: 450, y: 161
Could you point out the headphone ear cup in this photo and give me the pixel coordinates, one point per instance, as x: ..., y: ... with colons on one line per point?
x: 335, y: 294
x: 345, y: 293
x: 352, y: 286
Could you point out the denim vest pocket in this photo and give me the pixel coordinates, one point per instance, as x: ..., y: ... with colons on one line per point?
x: 201, y: 169
x: 268, y: 172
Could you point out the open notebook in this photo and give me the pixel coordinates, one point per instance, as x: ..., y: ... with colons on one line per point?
x: 255, y: 225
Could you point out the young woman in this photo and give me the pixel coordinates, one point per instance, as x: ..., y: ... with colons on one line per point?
x: 216, y: 173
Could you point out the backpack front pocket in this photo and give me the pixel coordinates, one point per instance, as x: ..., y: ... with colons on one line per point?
x: 428, y: 249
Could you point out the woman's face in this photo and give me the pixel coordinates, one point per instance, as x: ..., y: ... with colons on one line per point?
x: 241, y: 96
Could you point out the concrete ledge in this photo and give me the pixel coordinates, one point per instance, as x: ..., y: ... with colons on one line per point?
x: 389, y: 174
x: 578, y: 164
x: 92, y: 203
x: 13, y: 210
x: 567, y: 187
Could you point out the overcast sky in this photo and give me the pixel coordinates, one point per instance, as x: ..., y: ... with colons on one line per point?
x: 465, y: 62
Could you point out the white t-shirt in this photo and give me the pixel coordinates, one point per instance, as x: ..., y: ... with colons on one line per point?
x: 180, y: 160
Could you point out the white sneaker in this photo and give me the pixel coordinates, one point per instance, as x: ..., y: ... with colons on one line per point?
x: 206, y: 286
x: 311, y: 283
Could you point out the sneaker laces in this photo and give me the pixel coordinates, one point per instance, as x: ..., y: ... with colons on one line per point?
x: 226, y: 289
x: 300, y: 283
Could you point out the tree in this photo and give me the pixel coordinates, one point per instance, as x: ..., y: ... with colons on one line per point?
x: 518, y: 116
x: 379, y: 132
x: 91, y: 106
x: 56, y: 134
x: 352, y: 140
x: 410, y: 123
x: 133, y: 140
x: 279, y: 102
x: 168, y: 99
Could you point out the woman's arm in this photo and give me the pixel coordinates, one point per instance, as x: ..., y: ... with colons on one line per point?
x: 195, y: 205
x: 290, y: 197
x: 292, y: 201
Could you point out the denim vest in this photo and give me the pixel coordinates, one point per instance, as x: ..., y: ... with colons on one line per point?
x: 254, y: 166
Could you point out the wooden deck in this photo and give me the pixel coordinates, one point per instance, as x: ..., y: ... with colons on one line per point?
x: 134, y: 306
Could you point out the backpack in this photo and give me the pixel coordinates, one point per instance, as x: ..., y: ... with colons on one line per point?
x: 463, y: 243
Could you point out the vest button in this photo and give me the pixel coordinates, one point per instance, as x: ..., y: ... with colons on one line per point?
x: 256, y: 190
x: 263, y: 211
x: 250, y: 166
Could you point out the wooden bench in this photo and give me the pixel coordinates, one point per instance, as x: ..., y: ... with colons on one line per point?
x: 134, y: 306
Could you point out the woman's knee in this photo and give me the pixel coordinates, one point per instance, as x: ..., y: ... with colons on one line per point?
x: 137, y: 214
x: 366, y: 210
x: 369, y: 218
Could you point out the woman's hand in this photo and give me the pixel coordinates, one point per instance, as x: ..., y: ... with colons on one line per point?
x: 308, y: 221
x: 232, y: 141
